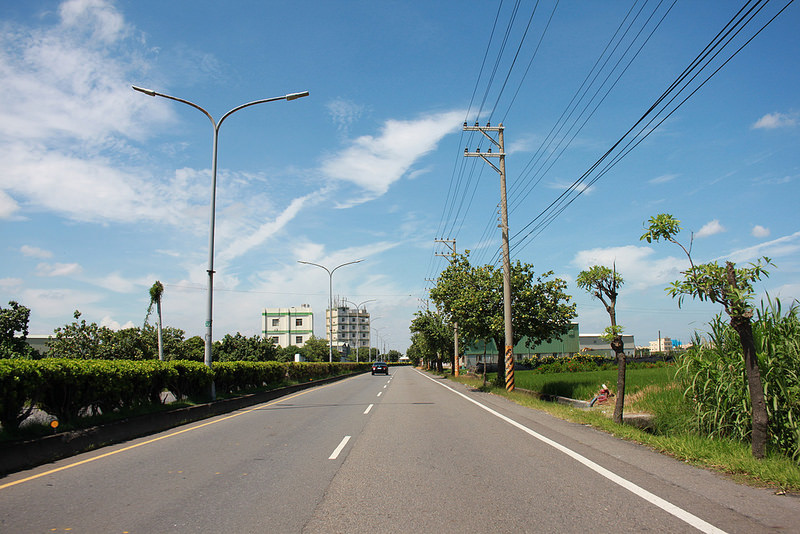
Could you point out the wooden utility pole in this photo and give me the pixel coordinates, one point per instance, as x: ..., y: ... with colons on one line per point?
x: 451, y: 244
x: 499, y: 143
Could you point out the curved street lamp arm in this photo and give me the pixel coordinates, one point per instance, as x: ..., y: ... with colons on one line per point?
x: 289, y: 97
x: 315, y: 264
x: 348, y: 263
x: 150, y: 92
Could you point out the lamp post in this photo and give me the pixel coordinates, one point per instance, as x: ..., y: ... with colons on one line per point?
x: 330, y: 300
x: 371, y: 321
x: 216, y: 125
x: 358, y: 316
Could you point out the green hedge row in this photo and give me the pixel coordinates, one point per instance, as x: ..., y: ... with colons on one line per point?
x: 68, y: 389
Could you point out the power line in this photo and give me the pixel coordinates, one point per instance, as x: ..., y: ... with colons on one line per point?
x: 720, y: 42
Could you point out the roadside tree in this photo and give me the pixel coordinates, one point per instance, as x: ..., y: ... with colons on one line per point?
x: 156, y: 291
x: 80, y: 340
x: 315, y: 349
x: 242, y: 348
x: 602, y: 283
x: 732, y: 288
x: 473, y: 297
x: 436, y: 337
x: 14, y: 331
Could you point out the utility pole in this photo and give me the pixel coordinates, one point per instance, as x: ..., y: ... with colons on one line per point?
x: 509, y: 333
x: 451, y: 244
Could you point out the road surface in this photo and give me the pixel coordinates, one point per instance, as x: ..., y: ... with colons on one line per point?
x: 404, y: 453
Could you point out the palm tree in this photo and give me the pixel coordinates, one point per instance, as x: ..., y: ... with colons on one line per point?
x: 155, y: 298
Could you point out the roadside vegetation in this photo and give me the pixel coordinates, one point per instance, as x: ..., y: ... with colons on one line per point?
x: 91, y: 374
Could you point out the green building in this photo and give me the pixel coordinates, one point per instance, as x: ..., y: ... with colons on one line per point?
x: 566, y: 345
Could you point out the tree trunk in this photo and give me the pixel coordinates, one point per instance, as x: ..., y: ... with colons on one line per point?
x: 160, y: 343
x: 744, y: 328
x: 740, y: 321
x: 618, y: 347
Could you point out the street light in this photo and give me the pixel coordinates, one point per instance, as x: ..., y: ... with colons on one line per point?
x: 216, y: 125
x: 357, y: 318
x: 371, y: 322
x: 330, y: 301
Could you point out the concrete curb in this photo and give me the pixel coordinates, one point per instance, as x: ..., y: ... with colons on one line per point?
x: 19, y: 455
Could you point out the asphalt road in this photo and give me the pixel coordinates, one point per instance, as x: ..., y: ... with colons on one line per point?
x: 404, y: 453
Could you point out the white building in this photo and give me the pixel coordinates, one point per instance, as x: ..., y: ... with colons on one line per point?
x: 350, y: 326
x: 663, y: 344
x: 288, y: 326
x: 595, y: 344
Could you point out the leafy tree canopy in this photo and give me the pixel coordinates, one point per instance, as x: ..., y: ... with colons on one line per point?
x: 473, y: 296
x: 14, y: 331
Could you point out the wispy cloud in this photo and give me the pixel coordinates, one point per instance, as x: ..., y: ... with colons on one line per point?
x: 58, y: 269
x: 344, y: 113
x: 710, y: 228
x: 374, y: 163
x: 771, y: 121
x: 782, y: 246
x: 664, y: 178
x: 8, y: 206
x: 260, y: 234
x: 563, y: 185
x: 35, y: 252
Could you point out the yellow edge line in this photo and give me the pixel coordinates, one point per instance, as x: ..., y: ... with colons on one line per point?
x: 112, y: 453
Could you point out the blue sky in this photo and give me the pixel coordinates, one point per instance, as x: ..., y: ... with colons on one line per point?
x: 104, y: 190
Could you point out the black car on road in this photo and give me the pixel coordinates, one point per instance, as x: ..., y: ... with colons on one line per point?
x: 380, y: 367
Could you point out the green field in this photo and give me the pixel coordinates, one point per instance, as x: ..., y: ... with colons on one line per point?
x: 584, y: 385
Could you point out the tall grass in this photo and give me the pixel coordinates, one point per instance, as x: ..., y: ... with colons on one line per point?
x: 716, y: 380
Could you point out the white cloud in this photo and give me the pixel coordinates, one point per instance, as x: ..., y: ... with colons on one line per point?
x: 770, y: 121
x: 35, y: 252
x: 375, y: 163
x: 266, y: 230
x: 344, y: 113
x: 782, y: 246
x: 664, y: 178
x: 51, y: 303
x: 66, y: 115
x: 58, y: 269
x: 760, y: 231
x: 710, y: 228
x: 787, y: 293
x: 97, y: 17
x: 10, y: 284
x: 108, y: 322
x: 119, y: 284
x: 634, y: 264
x: 8, y: 206
x: 582, y: 188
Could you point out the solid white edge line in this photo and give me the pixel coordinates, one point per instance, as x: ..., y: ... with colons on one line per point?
x: 665, y: 505
x: 368, y: 409
x: 339, y: 448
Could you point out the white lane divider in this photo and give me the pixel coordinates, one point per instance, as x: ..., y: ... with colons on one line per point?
x: 338, y: 449
x: 380, y: 393
x: 665, y: 505
x: 368, y: 409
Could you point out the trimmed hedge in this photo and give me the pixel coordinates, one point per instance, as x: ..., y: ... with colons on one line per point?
x: 68, y: 389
